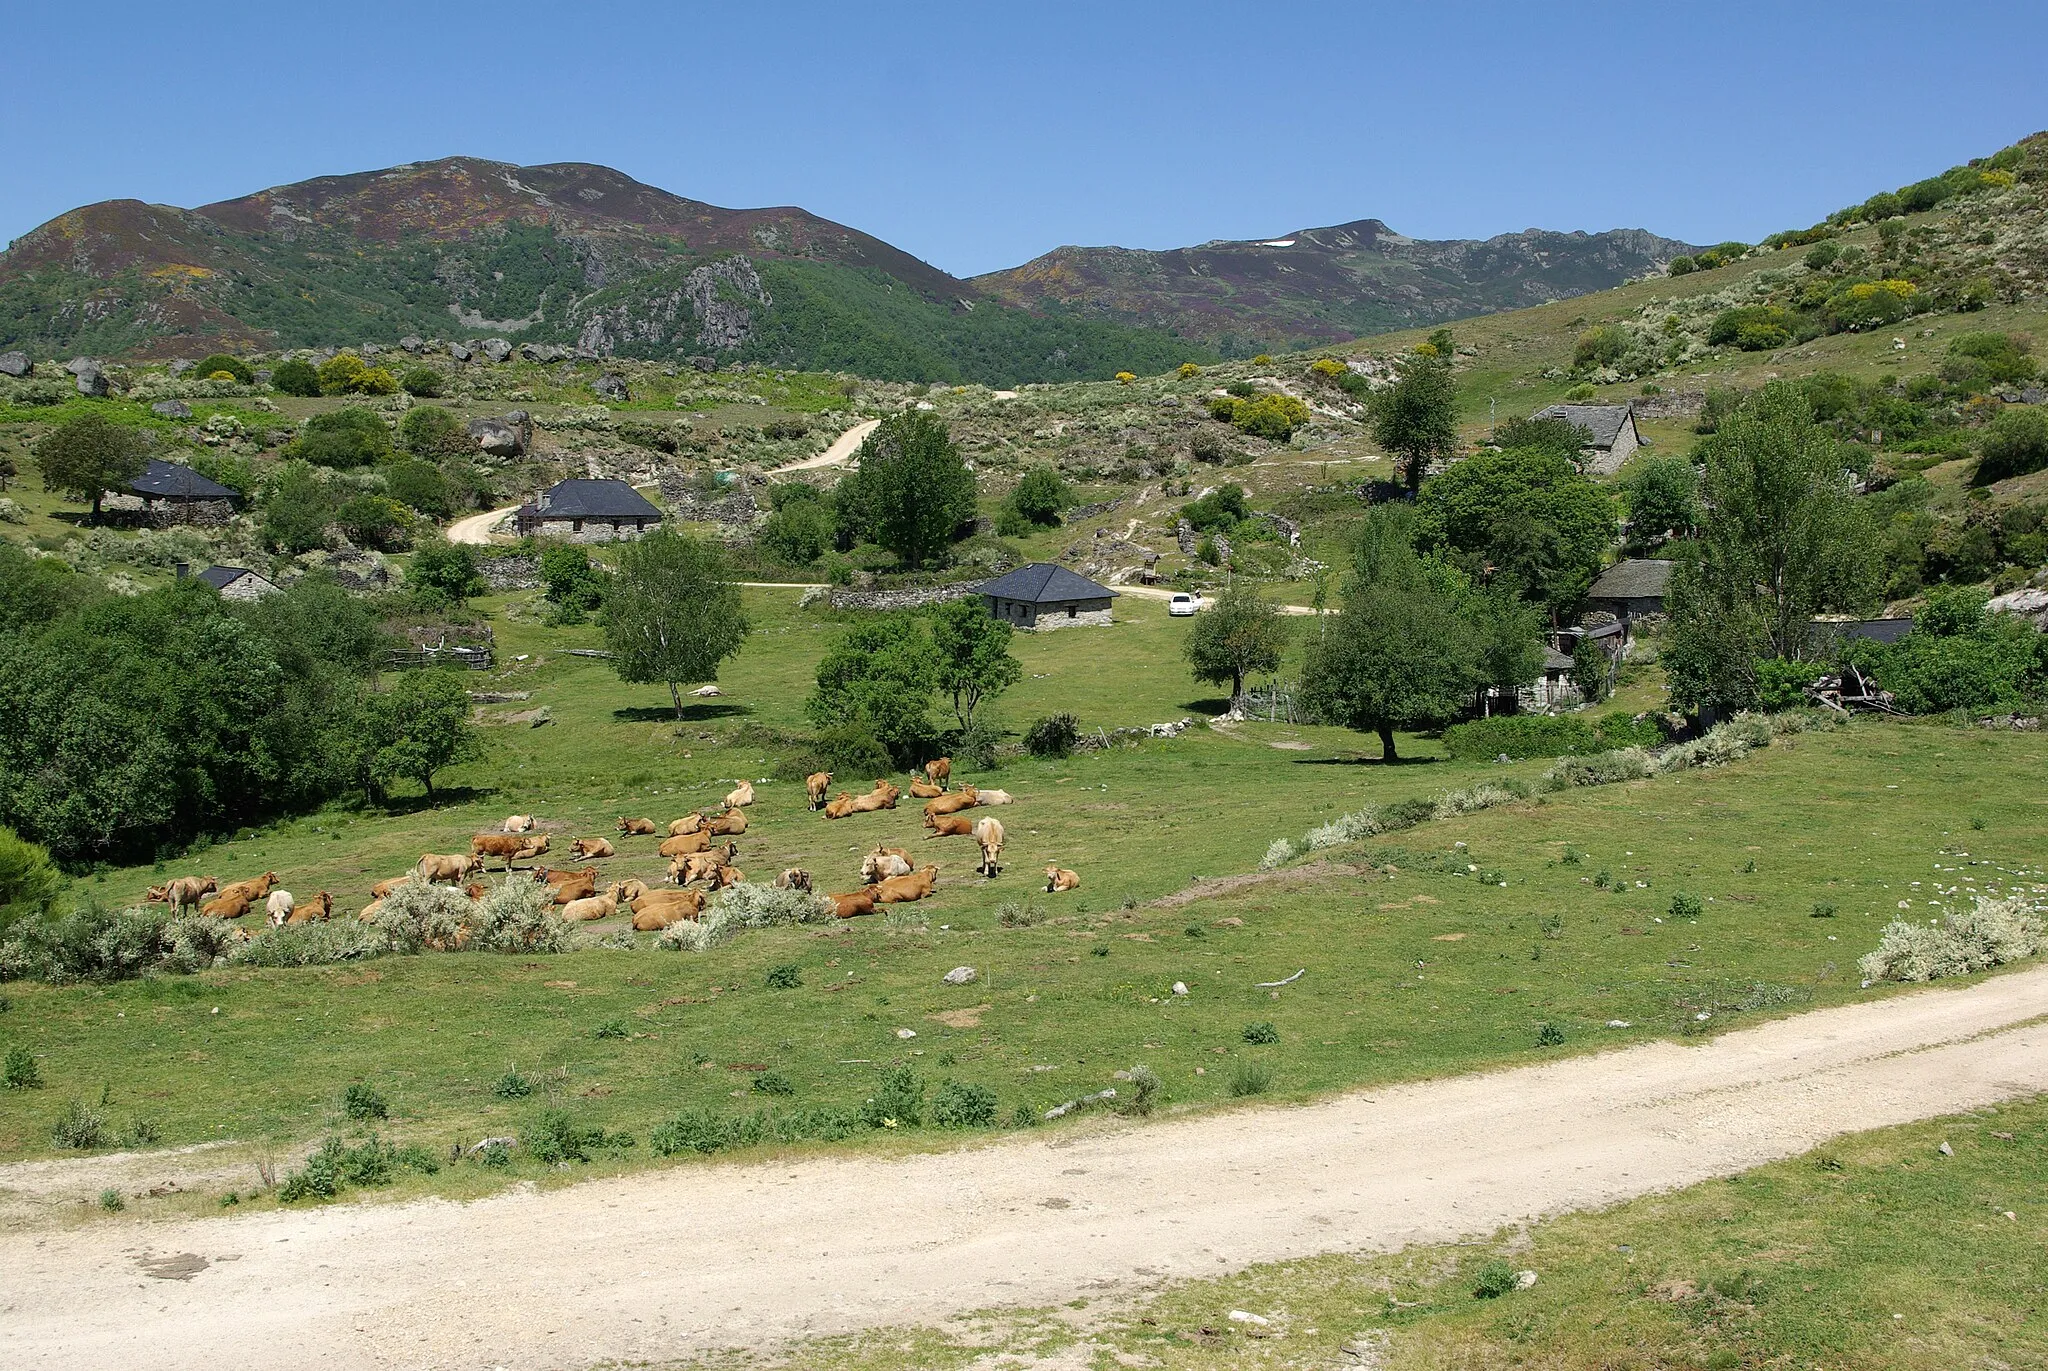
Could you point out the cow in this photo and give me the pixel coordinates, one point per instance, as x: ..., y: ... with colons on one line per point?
x: 884, y: 862
x: 921, y: 789
x: 689, y: 823
x: 939, y: 770
x: 988, y: 831
x: 507, y: 847
x: 637, y: 827
x: 948, y: 825
x: 853, y: 904
x: 592, y: 847
x: 383, y: 888
x: 815, y: 786
x: 888, y: 790
x: 632, y: 889
x: 519, y: 823
x: 869, y: 803
x: 476, y: 890
x: 1058, y: 878
x: 452, y: 867
x: 658, y: 909
x: 592, y: 907
x: 840, y: 806
x: 725, y: 876
x: 963, y: 798
x: 320, y: 907
x: 254, y: 888
x: 795, y: 878
x: 741, y: 796
x: 728, y: 824
x: 158, y: 894
x: 371, y: 910
x: 226, y: 906
x: 575, y: 886
x: 984, y: 798
x: 188, y: 891
x: 903, y: 889
x: 278, y: 908
x: 682, y: 844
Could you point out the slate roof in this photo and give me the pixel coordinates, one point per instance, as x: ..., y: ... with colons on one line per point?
x: 1555, y: 661
x: 595, y: 499
x: 1042, y: 583
x: 1603, y: 422
x: 168, y: 480
x: 1638, y: 578
x: 221, y: 577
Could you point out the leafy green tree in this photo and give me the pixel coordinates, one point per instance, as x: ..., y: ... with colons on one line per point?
x: 1559, y: 437
x: 29, y: 881
x: 1220, y: 510
x: 1240, y: 634
x: 443, y: 571
x: 671, y: 616
x: 219, y: 362
x: 431, y: 431
x: 1662, y: 495
x: 347, y: 437
x: 800, y: 529
x: 423, y: 382
x: 574, y: 586
x: 910, y: 491
x: 1509, y: 631
x: 881, y: 677
x: 1781, y: 539
x: 414, y: 730
x: 1589, y: 669
x: 1042, y: 497
x: 973, y: 649
x: 297, y: 508
x: 1529, y: 515
x: 2015, y: 443
x: 295, y: 377
x: 1416, y: 418
x: 36, y: 592
x: 420, y: 485
x: 1958, y: 657
x: 373, y: 521
x: 87, y: 456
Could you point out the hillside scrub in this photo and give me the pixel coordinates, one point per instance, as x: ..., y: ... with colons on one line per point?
x: 1990, y: 933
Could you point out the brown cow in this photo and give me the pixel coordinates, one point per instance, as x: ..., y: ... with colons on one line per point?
x: 940, y: 770
x: 963, y: 798
x: 884, y: 862
x: 682, y: 844
x: 840, y: 806
x: 689, y: 823
x: 988, y: 831
x: 733, y: 821
x: 948, y: 825
x: 853, y: 904
x: 592, y: 907
x: 741, y: 796
x: 632, y: 889
x: 320, y: 907
x: 575, y: 887
x: 255, y: 888
x: 592, y: 847
x: 508, y: 847
x: 636, y: 827
x: 1058, y: 878
x: 452, y: 867
x: 921, y: 789
x: 888, y: 789
x: 795, y: 878
x: 725, y: 876
x: 476, y: 890
x: 870, y: 802
x: 903, y: 889
x: 815, y: 786
x: 231, y: 906
x: 188, y: 891
x: 659, y: 909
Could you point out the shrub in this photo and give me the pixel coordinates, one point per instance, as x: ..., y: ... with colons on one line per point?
x: 373, y: 521
x: 1495, y: 1278
x: 1822, y: 255
x: 1249, y: 1078
x: 700, y: 935
x: 2015, y: 443
x: 235, y: 367
x: 431, y: 431
x: 424, y: 382
x: 1622, y: 729
x: 787, y: 976
x: 1601, y: 346
x: 981, y: 744
x: 1681, y: 266
x: 1872, y: 304
x: 1041, y: 497
x: 343, y: 438
x: 1752, y: 328
x: 1273, y: 417
x: 363, y: 1102
x: 111, y: 1201
x: 512, y: 1085
x: 1579, y: 394
x: 1220, y: 510
x: 1139, y: 1097
x: 1550, y: 1035
x: 773, y: 1083
x: 764, y: 906
x: 1187, y: 371
x: 799, y: 532
x: 1518, y: 736
x: 1052, y: 736
x: 1686, y: 905
x: 295, y: 377
x: 1781, y: 684
x: 850, y: 749
x: 610, y: 1029
x: 82, y: 1127
x: 1991, y: 933
x: 959, y: 1105
x: 1261, y: 1033
x: 20, y: 1071
x: 555, y: 1136
x: 898, y: 1101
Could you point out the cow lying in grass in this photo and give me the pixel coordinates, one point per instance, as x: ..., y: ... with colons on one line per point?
x: 689, y: 823
x: 903, y: 889
x: 1058, y: 878
x: 683, y: 844
x: 508, y: 847
x: 320, y: 907
x: 637, y: 828
x: 884, y: 862
x: 921, y: 789
x: 591, y: 847
x: 740, y: 795
x: 948, y: 825
x: 963, y: 798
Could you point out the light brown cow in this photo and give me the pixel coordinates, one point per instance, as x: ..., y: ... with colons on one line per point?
x: 815, y: 786
x: 508, y: 847
x: 689, y: 823
x: 726, y: 825
x: 839, y: 806
x: 985, y: 798
x: 188, y: 891
x: 682, y: 844
x: 320, y: 907
x: 519, y: 823
x: 939, y: 770
x: 593, y: 907
x: 158, y: 894
x: 852, y: 904
x: 948, y: 825
x: 278, y: 907
x: 592, y: 847
x: 870, y: 802
x: 740, y: 796
x: 725, y: 876
x: 658, y: 909
x: 794, y: 878
x: 632, y: 889
x: 383, y: 888
x: 371, y: 910
x: 884, y: 862
x: 1058, y: 878
x: 921, y: 789
x: 903, y: 889
x: 452, y: 867
x: 888, y: 788
x: 232, y: 906
x: 988, y: 831
x: 578, y: 886
x: 476, y: 890
x: 963, y: 798
x: 254, y: 888
x: 637, y: 827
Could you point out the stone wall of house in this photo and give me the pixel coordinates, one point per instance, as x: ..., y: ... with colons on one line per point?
x: 1087, y: 618
x: 593, y: 531
x: 248, y: 588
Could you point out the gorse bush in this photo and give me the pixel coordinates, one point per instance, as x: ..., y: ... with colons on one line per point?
x: 1052, y: 736
x: 295, y: 377
x: 1990, y: 933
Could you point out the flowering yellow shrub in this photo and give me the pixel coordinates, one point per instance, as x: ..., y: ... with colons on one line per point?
x: 221, y: 376
x: 1124, y: 378
x: 1264, y: 359
x: 1995, y: 179
x: 1905, y: 290
x: 1327, y: 366
x: 1188, y: 371
x: 1426, y: 350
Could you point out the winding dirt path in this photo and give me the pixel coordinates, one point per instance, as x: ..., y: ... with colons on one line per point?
x: 476, y: 529
x: 699, y: 1256
x: 842, y: 449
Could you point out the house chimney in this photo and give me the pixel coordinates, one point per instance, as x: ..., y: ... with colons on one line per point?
x: 184, y: 569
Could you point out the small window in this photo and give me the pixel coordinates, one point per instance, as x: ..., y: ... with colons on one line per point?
x: 1072, y: 610
x: 576, y: 526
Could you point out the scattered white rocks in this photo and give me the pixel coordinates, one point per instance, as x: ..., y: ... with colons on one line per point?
x: 959, y: 975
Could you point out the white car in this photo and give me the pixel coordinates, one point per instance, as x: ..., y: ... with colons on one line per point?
x: 1183, y: 606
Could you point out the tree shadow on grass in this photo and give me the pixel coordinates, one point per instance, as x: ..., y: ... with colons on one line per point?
x: 692, y: 713
x: 445, y: 797
x: 1210, y: 707
x: 1362, y: 760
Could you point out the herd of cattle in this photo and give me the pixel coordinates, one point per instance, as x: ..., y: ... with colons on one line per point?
x: 699, y: 848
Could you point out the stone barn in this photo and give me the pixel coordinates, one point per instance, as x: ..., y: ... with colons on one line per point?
x: 1611, y: 436
x: 237, y: 583
x: 1631, y: 589
x: 1046, y: 596
x: 169, y: 493
x: 588, y: 511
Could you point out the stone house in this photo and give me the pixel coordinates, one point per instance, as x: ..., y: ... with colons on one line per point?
x: 1042, y: 595
x: 588, y: 511
x: 1631, y: 589
x: 1611, y: 436
x: 236, y: 583
x: 167, y: 493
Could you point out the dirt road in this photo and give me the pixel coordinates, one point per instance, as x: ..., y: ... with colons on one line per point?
x: 476, y: 529
x: 701, y: 1256
x: 842, y: 449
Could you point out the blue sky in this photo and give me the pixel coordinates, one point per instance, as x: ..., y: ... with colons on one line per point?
x: 977, y: 136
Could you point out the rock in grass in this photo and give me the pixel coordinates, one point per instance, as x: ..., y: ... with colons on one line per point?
x: 1524, y: 1279
x: 960, y: 975
x: 171, y: 409
x: 15, y: 364
x: 497, y: 349
x: 1946, y: 1150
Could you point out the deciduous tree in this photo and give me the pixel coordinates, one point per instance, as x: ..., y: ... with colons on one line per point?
x: 1416, y: 418
x: 910, y: 490
x: 973, y: 647
x: 1242, y: 633
x: 87, y: 456
x: 670, y: 613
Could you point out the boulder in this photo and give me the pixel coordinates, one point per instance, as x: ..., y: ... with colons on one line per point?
x: 368, y: 350
x: 459, y: 352
x: 413, y: 343
x: 92, y: 381
x: 543, y: 352
x: 703, y: 363
x: 16, y: 364
x: 181, y: 365
x: 959, y: 975
x: 171, y: 409
x: 497, y: 349
x: 612, y: 386
x: 508, y: 435
x: 78, y: 366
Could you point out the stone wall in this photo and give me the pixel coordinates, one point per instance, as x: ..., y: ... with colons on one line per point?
x: 914, y: 597
x: 1087, y: 618
x: 1672, y: 405
x: 520, y: 572
x: 733, y: 505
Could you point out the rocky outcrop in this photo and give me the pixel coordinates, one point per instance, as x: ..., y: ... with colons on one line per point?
x: 508, y: 435
x: 714, y: 307
x: 612, y: 386
x: 16, y: 364
x: 171, y: 409
x: 460, y: 352
x: 496, y: 349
